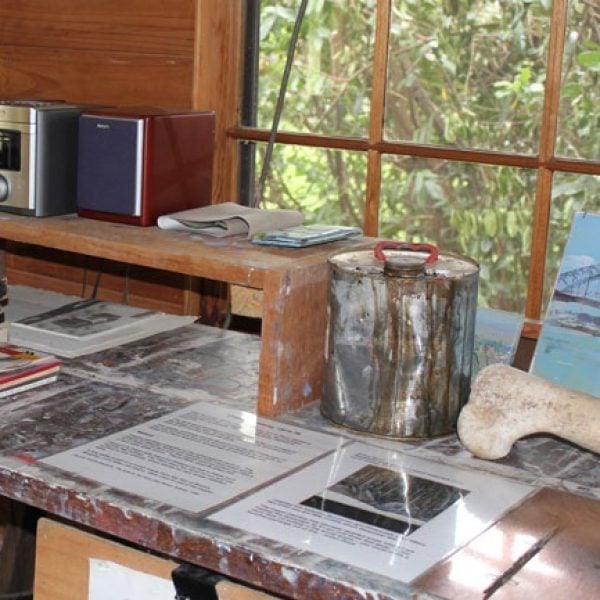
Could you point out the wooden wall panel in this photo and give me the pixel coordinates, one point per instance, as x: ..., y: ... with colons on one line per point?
x: 128, y: 52
x: 136, y: 26
x: 217, y: 85
x: 95, y: 77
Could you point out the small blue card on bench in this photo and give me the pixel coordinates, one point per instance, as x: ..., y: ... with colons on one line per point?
x: 305, y: 235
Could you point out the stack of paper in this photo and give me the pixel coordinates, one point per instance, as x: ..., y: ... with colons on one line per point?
x: 86, y: 326
x: 228, y: 218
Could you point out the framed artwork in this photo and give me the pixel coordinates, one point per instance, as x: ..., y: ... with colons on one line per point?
x: 568, y: 350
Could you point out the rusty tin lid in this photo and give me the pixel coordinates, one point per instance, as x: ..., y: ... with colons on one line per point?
x: 404, y: 259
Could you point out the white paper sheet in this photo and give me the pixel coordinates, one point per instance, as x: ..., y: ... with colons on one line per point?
x: 381, y: 510
x: 196, y: 457
x: 111, y: 581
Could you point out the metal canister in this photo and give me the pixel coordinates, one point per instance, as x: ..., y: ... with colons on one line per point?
x: 400, y: 340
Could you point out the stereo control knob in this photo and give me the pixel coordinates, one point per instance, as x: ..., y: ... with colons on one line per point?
x: 3, y: 189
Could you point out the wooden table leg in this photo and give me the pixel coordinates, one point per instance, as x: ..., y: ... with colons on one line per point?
x: 293, y: 339
x: 17, y: 555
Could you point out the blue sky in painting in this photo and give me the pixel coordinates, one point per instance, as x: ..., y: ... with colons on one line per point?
x: 583, y: 246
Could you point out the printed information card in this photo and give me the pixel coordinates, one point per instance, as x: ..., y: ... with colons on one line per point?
x: 380, y: 510
x: 197, y: 457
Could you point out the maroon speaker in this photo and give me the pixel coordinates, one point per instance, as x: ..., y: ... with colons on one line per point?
x: 137, y: 164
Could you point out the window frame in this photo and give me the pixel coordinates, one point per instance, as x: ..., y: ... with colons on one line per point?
x: 546, y: 163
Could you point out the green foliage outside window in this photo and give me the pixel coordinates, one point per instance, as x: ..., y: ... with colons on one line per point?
x: 462, y: 74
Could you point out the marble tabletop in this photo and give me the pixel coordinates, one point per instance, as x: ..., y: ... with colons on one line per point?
x: 107, y: 392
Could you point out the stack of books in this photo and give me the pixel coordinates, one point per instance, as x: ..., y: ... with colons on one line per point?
x: 22, y: 369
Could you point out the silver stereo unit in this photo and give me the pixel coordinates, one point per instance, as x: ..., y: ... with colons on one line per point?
x: 38, y: 157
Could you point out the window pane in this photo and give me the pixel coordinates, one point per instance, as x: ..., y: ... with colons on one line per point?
x: 328, y: 186
x: 330, y: 81
x: 579, y: 114
x: 570, y: 193
x: 467, y: 73
x: 480, y: 212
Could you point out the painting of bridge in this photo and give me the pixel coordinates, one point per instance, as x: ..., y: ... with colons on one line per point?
x: 580, y: 285
x: 568, y: 350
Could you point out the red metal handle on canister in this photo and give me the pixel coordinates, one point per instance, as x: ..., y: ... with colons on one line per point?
x: 389, y: 245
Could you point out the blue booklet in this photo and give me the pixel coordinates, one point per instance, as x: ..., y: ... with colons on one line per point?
x: 305, y: 235
x: 568, y: 349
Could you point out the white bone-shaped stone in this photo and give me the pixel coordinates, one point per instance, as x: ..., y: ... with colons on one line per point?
x: 506, y: 404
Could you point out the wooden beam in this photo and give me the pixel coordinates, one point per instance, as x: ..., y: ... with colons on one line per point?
x: 404, y: 149
x: 379, y: 85
x: 217, y: 84
x: 543, y: 196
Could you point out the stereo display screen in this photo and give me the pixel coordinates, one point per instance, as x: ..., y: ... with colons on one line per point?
x: 10, y: 150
